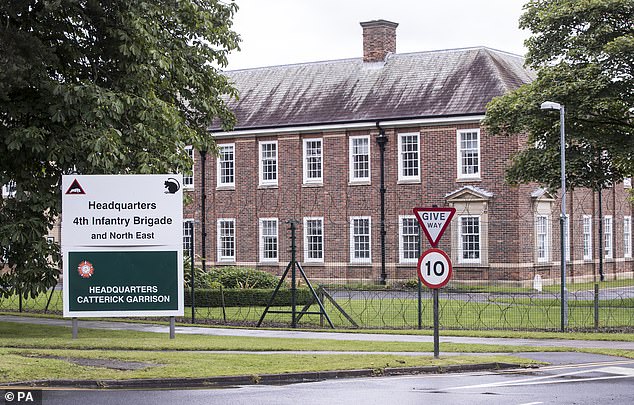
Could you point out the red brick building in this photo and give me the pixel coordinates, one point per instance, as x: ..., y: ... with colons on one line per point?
x: 307, y: 147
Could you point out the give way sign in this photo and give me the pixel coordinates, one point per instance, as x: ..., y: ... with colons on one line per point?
x: 434, y: 222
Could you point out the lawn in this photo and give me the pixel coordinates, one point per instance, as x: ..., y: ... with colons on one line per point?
x: 29, y: 352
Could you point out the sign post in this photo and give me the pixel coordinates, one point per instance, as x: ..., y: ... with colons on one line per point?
x: 434, y: 265
x: 122, y: 245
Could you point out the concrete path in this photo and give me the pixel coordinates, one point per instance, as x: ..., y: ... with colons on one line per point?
x: 302, y: 334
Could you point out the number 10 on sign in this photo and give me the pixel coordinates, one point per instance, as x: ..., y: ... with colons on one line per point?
x: 434, y: 268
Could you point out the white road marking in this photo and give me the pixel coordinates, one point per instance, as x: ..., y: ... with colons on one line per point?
x: 532, y: 403
x: 617, y: 373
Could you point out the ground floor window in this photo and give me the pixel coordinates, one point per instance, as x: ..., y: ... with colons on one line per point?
x: 226, y: 240
x: 469, y: 239
x: 313, y: 239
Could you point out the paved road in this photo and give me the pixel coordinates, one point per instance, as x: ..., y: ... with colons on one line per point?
x: 595, y: 381
x: 196, y: 330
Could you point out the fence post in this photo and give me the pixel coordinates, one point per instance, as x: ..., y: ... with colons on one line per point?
x: 420, y: 284
x: 293, y: 277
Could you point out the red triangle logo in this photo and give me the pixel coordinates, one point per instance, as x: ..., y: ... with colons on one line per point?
x: 75, y: 188
x: 434, y: 222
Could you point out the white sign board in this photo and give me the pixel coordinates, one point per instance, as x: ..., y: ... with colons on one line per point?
x: 121, y: 242
x: 434, y: 268
x: 434, y: 222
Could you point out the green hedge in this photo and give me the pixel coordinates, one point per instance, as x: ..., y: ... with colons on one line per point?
x: 236, y: 297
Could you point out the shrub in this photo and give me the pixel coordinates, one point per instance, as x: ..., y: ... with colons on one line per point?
x: 237, y: 297
x: 242, y: 277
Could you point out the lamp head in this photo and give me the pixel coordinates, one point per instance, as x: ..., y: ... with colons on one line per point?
x: 549, y: 105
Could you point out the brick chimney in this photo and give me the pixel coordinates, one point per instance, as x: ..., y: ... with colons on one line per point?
x: 379, y: 39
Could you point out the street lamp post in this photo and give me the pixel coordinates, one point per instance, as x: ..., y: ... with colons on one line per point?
x: 549, y: 105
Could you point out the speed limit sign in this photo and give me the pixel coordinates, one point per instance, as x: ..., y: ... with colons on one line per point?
x: 434, y: 268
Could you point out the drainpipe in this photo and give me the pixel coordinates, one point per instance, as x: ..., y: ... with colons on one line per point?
x: 203, y: 209
x: 381, y: 140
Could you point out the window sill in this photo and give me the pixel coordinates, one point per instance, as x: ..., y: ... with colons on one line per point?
x: 188, y: 189
x: 226, y: 188
x: 360, y: 183
x: 312, y: 264
x: 261, y: 263
x: 309, y: 185
x: 407, y: 264
x: 359, y: 264
x: 267, y: 186
x: 469, y: 180
x: 477, y: 265
x: 408, y: 181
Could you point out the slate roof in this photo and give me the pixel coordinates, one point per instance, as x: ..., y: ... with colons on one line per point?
x: 444, y: 83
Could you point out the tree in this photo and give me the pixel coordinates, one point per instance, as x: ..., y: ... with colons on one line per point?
x: 583, y: 54
x: 99, y: 87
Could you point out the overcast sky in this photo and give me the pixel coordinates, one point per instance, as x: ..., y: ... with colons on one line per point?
x: 278, y: 32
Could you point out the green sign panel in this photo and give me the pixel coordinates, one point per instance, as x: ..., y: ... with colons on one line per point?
x: 123, y: 281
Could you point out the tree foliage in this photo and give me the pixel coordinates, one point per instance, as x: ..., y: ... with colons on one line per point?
x: 99, y: 87
x: 583, y: 54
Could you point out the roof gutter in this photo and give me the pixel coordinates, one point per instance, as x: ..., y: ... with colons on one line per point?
x: 360, y: 125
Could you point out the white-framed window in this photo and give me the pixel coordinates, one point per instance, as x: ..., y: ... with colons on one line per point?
x: 268, y: 240
x: 268, y: 163
x: 587, y: 237
x: 313, y: 161
x: 469, y: 239
x: 225, y: 168
x: 408, y: 235
x: 542, y: 238
x: 188, y: 236
x: 627, y: 236
x: 9, y: 189
x: 314, y: 239
x: 188, y: 179
x: 409, y: 157
x: 360, y: 240
x: 359, y: 158
x: 608, y: 251
x: 226, y: 243
x: 468, y: 153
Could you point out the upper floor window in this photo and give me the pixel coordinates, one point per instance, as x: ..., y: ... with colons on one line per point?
x: 607, y: 237
x: 408, y: 157
x: 188, y: 179
x: 226, y: 165
x: 587, y: 237
x: 268, y: 240
x: 542, y: 238
x: 313, y: 157
x: 408, y: 239
x: 226, y: 243
x: 314, y: 239
x: 469, y: 238
x: 359, y: 159
x: 268, y: 163
x: 360, y: 245
x: 469, y: 154
x: 9, y: 189
x: 188, y: 236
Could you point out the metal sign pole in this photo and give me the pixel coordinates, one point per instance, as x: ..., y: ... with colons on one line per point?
x: 172, y: 327
x: 75, y: 328
x: 436, y: 326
